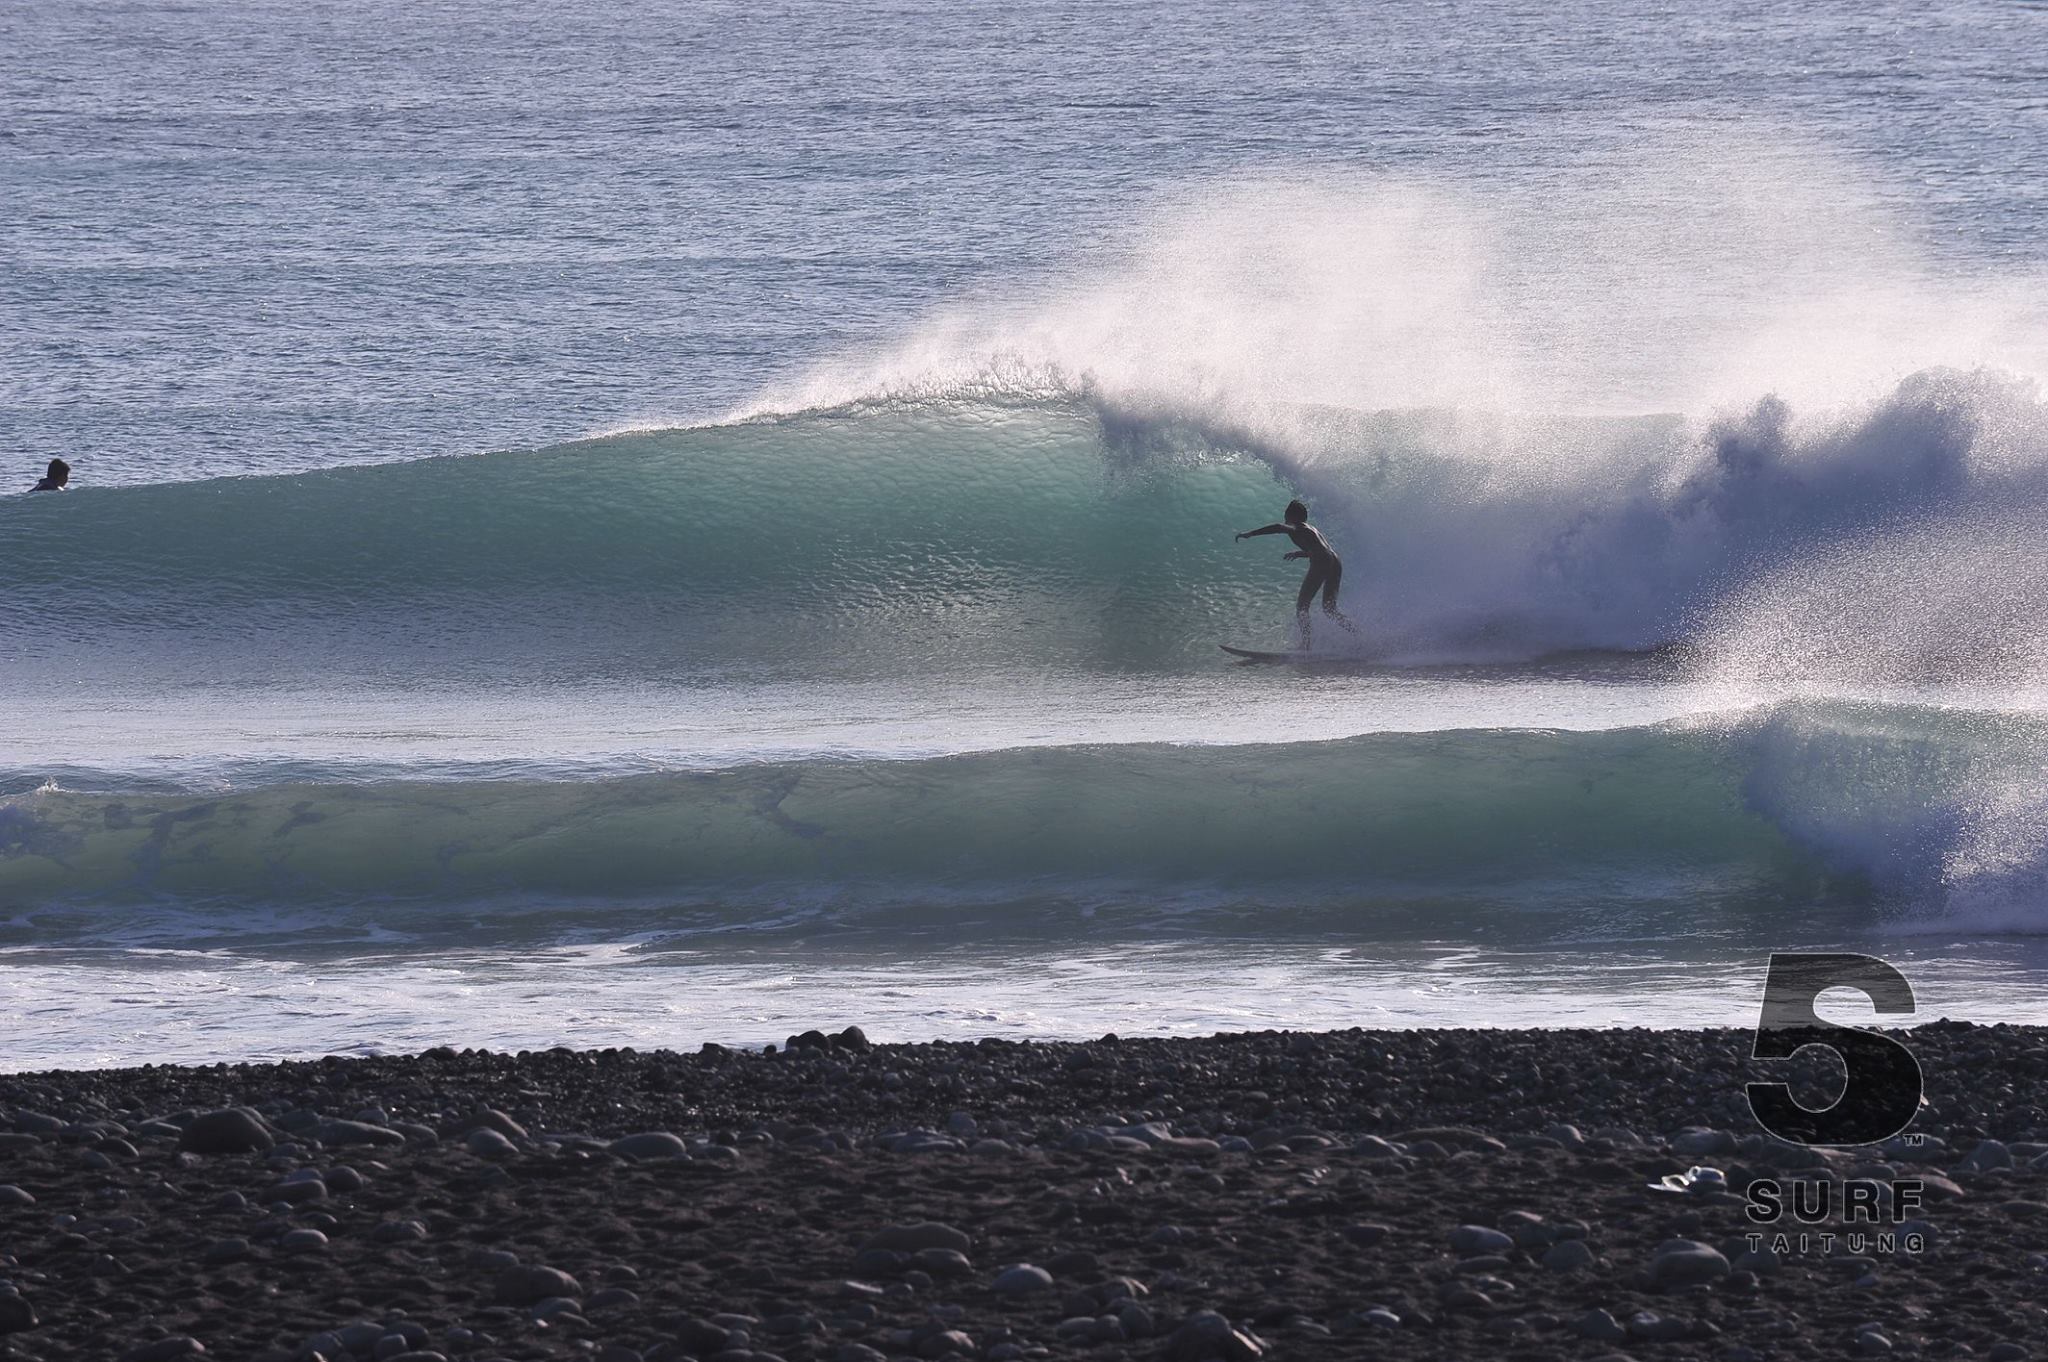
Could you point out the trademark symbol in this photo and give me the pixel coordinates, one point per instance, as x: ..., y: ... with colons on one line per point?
x: 1916, y: 1140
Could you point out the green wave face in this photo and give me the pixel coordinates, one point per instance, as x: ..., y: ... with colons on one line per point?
x: 1786, y: 819
x: 939, y: 535
x: 1317, y: 834
x: 1008, y: 534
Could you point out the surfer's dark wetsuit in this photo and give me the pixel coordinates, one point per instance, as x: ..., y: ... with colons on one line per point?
x: 1325, y: 568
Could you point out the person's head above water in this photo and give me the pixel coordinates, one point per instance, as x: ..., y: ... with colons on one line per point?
x: 54, y: 477
x: 1295, y: 514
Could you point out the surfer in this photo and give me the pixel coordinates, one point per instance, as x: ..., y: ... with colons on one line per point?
x: 1325, y: 569
x: 54, y: 477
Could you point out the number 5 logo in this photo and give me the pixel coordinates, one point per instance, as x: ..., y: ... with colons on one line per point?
x: 1883, y: 1092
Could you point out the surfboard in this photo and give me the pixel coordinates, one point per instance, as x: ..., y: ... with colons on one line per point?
x: 1342, y: 661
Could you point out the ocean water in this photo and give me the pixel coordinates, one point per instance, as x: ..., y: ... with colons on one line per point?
x: 650, y: 523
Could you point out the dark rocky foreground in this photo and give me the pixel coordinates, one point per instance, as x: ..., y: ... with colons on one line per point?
x: 1471, y: 1194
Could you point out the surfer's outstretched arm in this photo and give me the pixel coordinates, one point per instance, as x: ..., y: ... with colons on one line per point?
x: 1265, y: 529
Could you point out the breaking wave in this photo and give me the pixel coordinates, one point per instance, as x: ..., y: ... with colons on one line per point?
x: 1838, y: 530
x: 1785, y: 816
x: 1026, y: 530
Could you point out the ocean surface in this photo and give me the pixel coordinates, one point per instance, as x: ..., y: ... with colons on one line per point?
x: 647, y: 523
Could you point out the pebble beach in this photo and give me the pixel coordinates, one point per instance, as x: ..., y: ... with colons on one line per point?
x: 1419, y: 1194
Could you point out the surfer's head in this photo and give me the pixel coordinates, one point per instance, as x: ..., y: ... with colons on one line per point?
x: 58, y: 472
x: 1295, y: 514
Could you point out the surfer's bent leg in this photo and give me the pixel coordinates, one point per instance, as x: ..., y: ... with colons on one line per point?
x: 1330, y: 585
x: 1310, y: 584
